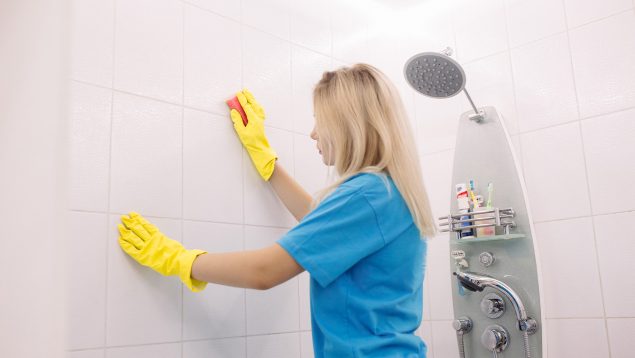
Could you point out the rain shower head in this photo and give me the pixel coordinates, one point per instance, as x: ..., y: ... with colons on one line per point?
x: 437, y: 75
x: 434, y: 75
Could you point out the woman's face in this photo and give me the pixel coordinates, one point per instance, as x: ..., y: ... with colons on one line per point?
x: 324, y: 150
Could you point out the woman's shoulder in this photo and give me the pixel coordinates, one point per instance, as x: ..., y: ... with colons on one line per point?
x: 369, y: 183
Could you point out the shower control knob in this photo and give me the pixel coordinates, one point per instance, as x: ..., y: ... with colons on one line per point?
x: 492, y: 305
x: 462, y: 324
x: 495, y: 338
x: 486, y: 259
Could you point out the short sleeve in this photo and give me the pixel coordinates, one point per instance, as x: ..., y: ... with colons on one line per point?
x: 336, y: 235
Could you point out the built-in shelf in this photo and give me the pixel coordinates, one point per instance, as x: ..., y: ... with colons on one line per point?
x: 489, y: 238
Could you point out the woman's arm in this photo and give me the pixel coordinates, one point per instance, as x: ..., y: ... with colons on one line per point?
x: 257, y: 269
x: 294, y: 197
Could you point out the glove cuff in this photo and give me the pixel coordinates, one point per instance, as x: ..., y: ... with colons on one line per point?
x: 185, y: 271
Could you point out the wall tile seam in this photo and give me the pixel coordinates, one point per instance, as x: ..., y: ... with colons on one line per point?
x: 182, y: 288
x: 600, y: 19
x: 184, y: 341
x: 588, y: 185
x: 110, y: 153
x: 213, y: 12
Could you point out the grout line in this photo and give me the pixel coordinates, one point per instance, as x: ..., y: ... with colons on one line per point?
x: 293, y: 152
x: 511, y: 75
x: 588, y: 186
x: 242, y: 163
x: 607, y: 113
x: 110, y: 151
x: 185, y: 219
x: 581, y: 119
x: 189, y: 3
x: 436, y: 152
x: 181, y: 287
x: 595, y: 20
x: 547, y: 36
x: 187, y: 341
x: 178, y: 104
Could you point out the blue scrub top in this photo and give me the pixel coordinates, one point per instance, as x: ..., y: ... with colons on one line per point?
x: 366, y: 259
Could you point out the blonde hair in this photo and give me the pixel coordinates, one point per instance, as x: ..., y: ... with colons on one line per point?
x: 362, y: 123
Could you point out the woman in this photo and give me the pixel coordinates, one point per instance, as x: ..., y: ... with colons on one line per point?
x: 362, y: 239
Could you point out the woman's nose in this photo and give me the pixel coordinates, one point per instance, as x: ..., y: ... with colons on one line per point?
x: 314, y: 134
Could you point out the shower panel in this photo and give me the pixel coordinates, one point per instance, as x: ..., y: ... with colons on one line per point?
x: 495, y: 284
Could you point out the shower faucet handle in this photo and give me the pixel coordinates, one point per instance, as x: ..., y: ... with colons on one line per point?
x: 529, y: 325
x: 495, y: 338
x: 462, y: 324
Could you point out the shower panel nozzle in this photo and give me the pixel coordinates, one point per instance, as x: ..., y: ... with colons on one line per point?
x: 437, y: 75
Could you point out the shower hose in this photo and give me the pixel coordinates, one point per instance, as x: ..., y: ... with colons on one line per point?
x: 459, y: 340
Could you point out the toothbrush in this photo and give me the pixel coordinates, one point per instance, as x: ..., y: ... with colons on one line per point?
x: 490, y: 192
x: 471, y: 192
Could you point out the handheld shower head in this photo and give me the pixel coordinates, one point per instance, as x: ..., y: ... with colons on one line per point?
x: 437, y: 75
x: 477, y: 282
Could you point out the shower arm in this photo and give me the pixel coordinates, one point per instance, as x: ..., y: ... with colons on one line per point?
x: 448, y: 52
x: 471, y: 102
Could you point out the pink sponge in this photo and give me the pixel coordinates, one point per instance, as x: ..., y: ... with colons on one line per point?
x: 235, y: 104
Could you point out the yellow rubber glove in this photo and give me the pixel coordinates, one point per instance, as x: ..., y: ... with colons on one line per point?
x: 150, y: 247
x: 252, y: 136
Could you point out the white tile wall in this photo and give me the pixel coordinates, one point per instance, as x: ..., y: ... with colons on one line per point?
x: 86, y: 310
x: 149, y: 48
x: 310, y: 170
x: 210, y: 38
x: 438, y: 122
x: 567, y: 251
x: 608, y: 143
x: 90, y: 149
x: 576, y: 338
x: 146, y: 164
x: 150, y: 351
x: 443, y: 339
x: 553, y: 164
x: 306, y: 69
x: 275, y: 310
x: 274, y: 346
x: 229, y: 9
x: 165, y: 159
x: 311, y: 24
x: 544, y: 85
x: 218, y: 311
x: 306, y: 345
x: 212, y: 164
x: 621, y: 335
x: 439, y: 278
x: 349, y: 26
x: 267, y: 73
x: 581, y: 12
x: 221, y: 348
x: 93, y: 353
x: 522, y: 17
x: 304, y: 283
x: 143, y: 307
x: 272, y: 17
x: 614, y: 250
x: 437, y: 176
x: 92, y: 33
x: 425, y: 332
x: 603, y: 54
x: 490, y: 83
x: 480, y: 28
